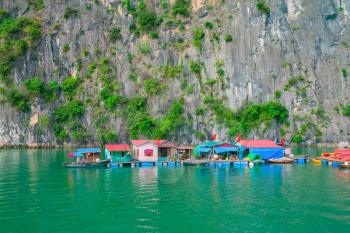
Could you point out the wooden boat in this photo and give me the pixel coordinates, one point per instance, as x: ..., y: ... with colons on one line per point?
x: 258, y: 161
x: 87, y: 158
x: 281, y: 160
x: 103, y: 163
x: 195, y: 162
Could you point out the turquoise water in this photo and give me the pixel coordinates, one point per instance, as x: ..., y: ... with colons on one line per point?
x: 38, y: 195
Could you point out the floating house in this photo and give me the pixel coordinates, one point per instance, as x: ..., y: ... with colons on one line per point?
x: 185, y: 151
x: 154, y: 150
x: 210, y: 148
x: 118, y: 153
x: 266, y: 149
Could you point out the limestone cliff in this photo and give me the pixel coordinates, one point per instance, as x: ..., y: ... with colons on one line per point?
x: 220, y: 53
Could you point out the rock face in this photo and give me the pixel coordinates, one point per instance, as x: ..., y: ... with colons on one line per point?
x: 298, y: 38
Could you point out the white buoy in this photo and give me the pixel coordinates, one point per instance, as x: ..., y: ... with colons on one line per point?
x: 251, y: 164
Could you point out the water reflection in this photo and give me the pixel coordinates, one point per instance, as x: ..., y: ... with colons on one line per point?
x: 343, y: 174
x: 44, y: 197
x: 146, y: 197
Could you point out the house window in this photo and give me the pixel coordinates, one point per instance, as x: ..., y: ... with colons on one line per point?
x: 149, y: 152
x: 137, y: 153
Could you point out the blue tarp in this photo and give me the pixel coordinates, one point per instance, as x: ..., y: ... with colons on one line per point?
x: 88, y: 150
x: 222, y: 149
x: 268, y: 153
x: 204, y: 149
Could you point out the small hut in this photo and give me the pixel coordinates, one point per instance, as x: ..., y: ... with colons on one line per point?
x: 153, y: 150
x: 117, y: 153
x: 89, y: 154
x: 185, y: 151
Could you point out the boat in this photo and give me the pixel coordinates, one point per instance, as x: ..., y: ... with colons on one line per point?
x: 195, y: 162
x: 86, y: 158
x: 316, y: 160
x: 344, y: 165
x: 280, y: 161
x: 258, y: 161
x: 103, y: 163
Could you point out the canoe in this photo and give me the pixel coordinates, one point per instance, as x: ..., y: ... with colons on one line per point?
x: 258, y: 161
x: 103, y: 163
x: 315, y: 160
x: 195, y: 162
x: 281, y: 160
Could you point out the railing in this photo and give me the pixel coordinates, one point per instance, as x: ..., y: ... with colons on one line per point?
x: 163, y: 159
x: 126, y: 158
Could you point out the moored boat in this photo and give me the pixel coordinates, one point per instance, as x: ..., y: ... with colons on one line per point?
x: 86, y: 158
x: 281, y: 160
x: 103, y: 163
x: 195, y: 162
x: 316, y: 160
x: 345, y: 165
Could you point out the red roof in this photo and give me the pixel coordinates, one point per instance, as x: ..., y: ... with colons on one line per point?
x: 118, y: 147
x: 225, y: 145
x: 258, y: 144
x: 342, y: 154
x: 157, y: 142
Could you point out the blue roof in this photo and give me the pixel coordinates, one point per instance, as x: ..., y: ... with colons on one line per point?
x: 88, y: 150
x: 204, y: 149
x: 222, y: 149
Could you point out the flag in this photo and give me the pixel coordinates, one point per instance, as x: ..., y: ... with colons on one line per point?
x: 238, y: 139
x: 282, y: 142
x: 213, y: 137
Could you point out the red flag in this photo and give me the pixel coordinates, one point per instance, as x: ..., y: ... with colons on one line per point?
x: 213, y: 137
x: 238, y: 139
x: 282, y: 141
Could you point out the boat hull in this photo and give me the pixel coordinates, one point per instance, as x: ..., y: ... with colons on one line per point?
x: 195, y: 162
x: 280, y: 161
x: 314, y: 160
x: 103, y: 163
x: 344, y: 166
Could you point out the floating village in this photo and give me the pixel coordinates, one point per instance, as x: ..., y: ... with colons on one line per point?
x: 240, y: 154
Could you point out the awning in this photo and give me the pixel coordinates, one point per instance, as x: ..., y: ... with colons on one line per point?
x: 118, y: 147
x: 75, y: 154
x: 225, y: 149
x: 268, y: 153
x: 204, y: 149
x: 88, y: 150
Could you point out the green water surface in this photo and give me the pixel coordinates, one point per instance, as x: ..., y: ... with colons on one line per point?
x: 38, y: 195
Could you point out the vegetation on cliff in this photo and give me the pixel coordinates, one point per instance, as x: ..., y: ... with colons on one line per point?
x: 156, y: 69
